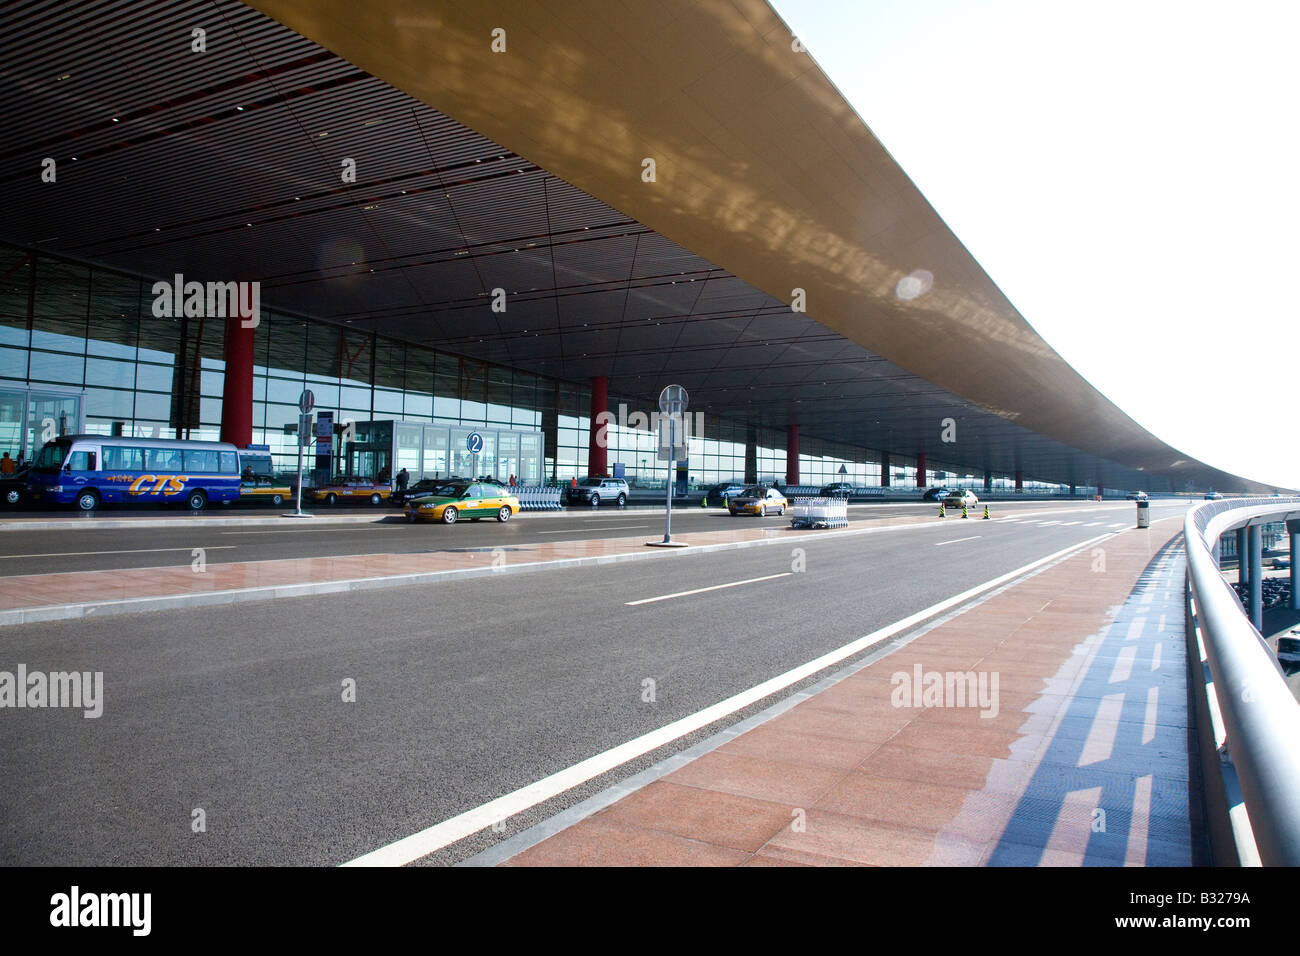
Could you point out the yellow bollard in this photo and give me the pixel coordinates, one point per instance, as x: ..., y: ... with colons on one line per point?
x: 941, y: 511
x: 704, y: 502
x: 986, y: 512
x: 963, y: 510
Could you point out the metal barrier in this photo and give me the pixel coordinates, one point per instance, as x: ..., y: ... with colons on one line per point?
x: 538, y: 498
x: 1248, y: 717
x: 819, y: 513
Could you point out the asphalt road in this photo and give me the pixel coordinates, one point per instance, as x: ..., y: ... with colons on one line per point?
x: 79, y: 548
x: 464, y: 690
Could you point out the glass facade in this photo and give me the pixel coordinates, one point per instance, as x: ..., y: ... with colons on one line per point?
x: 80, y: 345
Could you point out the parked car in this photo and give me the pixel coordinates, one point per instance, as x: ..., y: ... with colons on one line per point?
x: 255, y: 488
x: 719, y: 495
x: 839, y: 489
x: 592, y: 491
x: 937, y: 493
x: 1137, y: 496
x: 424, y: 486
x: 356, y: 489
x: 758, y: 500
x: 956, y: 499
x: 1212, y: 496
x: 13, y: 489
x: 453, y: 500
x: 1288, y: 650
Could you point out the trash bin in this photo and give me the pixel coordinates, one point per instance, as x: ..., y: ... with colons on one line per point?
x: 1144, y: 514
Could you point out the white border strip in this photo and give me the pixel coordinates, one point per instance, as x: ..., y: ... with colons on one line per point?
x: 434, y: 838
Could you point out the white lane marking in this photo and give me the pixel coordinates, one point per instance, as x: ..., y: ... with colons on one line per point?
x: 1066, y: 524
x: 454, y: 829
x: 78, y: 554
x: 316, y: 530
x: 716, y: 587
x: 617, y: 527
x: 1092, y: 524
x: 1048, y: 524
x: 940, y: 544
x: 1120, y: 524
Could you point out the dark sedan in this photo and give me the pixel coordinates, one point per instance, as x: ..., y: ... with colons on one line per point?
x: 13, y: 489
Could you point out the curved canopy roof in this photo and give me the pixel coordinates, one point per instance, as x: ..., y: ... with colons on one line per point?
x: 525, y: 170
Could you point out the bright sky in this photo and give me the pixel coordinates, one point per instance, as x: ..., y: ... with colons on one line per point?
x: 1128, y: 173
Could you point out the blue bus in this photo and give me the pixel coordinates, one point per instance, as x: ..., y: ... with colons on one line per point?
x: 89, y: 470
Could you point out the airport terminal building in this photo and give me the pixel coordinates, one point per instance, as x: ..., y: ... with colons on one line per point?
x: 493, y: 242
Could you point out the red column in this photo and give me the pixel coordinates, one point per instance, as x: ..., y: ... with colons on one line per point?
x: 920, y: 469
x: 792, y: 454
x: 596, y: 442
x: 237, y: 392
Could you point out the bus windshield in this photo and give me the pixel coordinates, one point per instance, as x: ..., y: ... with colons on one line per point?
x: 51, y: 456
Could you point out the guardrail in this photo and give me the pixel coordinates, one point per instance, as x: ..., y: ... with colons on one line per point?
x: 1248, y: 718
x: 538, y: 498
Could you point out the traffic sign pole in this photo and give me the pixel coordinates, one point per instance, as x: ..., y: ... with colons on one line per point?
x: 306, y: 402
x: 672, y: 403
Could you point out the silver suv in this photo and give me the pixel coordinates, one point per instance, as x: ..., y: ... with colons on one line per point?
x: 592, y: 491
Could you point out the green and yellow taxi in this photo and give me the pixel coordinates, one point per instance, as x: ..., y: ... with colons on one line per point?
x: 757, y: 500
x: 255, y: 488
x: 454, y: 500
x: 349, y: 488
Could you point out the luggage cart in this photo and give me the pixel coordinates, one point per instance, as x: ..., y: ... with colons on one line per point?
x: 819, y: 513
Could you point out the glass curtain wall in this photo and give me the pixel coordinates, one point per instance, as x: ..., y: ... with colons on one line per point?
x: 71, y: 329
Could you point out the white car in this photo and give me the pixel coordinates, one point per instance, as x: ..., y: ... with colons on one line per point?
x: 955, y: 499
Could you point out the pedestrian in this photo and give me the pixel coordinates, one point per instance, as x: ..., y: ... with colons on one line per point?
x: 512, y: 481
x: 403, y: 477
x: 7, y: 466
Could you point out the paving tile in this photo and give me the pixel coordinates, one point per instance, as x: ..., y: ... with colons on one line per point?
x: 710, y: 816
x: 796, y: 785
x: 598, y: 842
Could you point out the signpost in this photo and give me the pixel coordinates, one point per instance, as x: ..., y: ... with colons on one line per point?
x: 672, y: 447
x: 306, y: 402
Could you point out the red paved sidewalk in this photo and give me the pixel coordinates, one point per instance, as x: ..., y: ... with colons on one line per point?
x: 1090, y: 729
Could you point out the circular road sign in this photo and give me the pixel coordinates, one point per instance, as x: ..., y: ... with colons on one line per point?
x: 474, y: 442
x: 306, y: 401
x: 673, y: 399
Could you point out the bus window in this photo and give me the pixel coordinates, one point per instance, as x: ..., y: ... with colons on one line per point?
x: 81, y: 461
x: 123, y: 459
x: 201, y: 461
x: 162, y: 459
x: 50, y: 457
x: 228, y: 465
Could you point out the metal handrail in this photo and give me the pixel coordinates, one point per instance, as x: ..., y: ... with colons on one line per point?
x: 1261, y: 717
